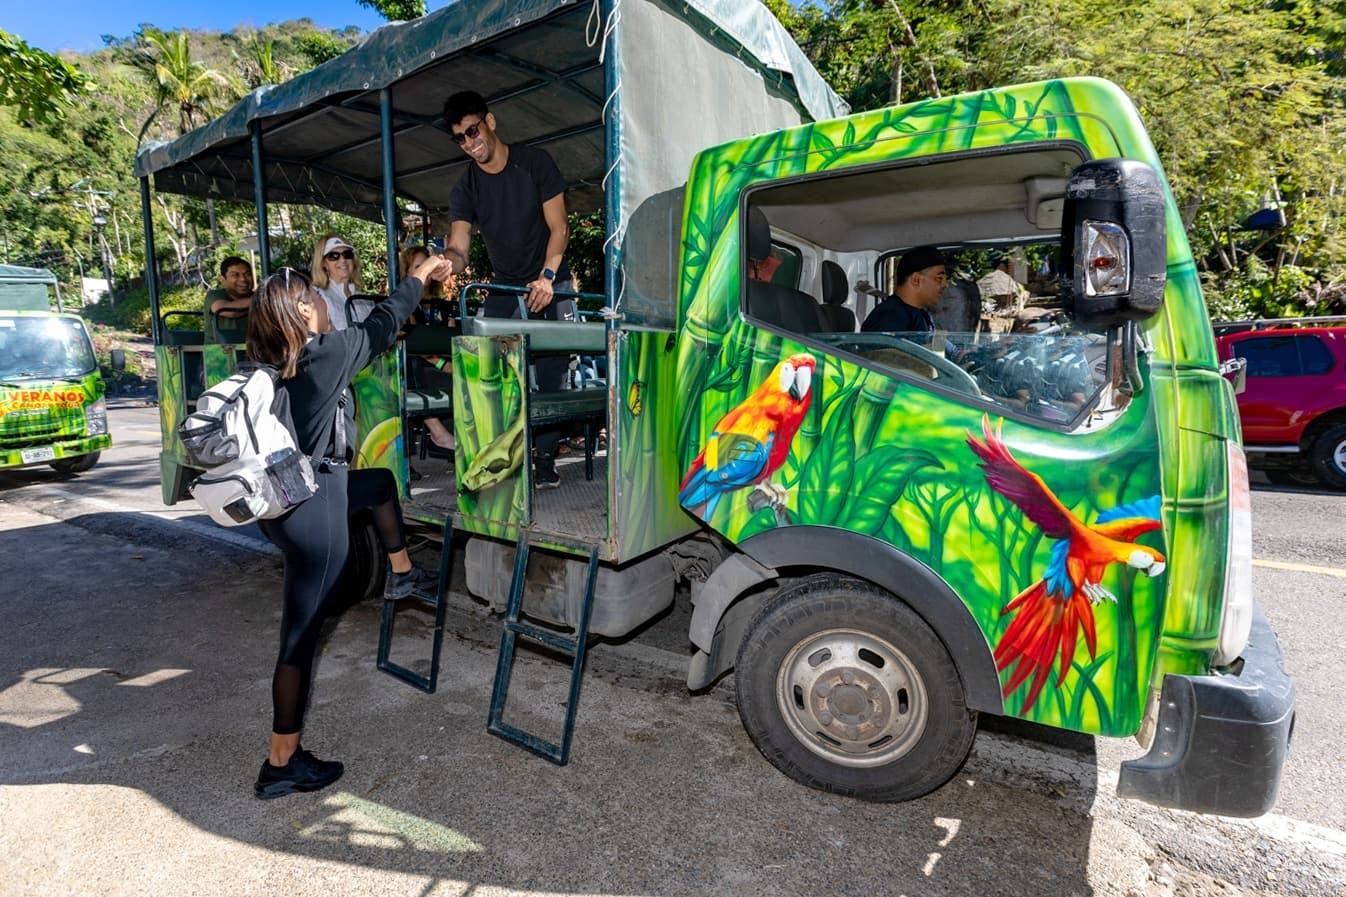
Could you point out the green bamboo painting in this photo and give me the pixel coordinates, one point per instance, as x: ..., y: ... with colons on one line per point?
x: 875, y: 453
x: 490, y: 422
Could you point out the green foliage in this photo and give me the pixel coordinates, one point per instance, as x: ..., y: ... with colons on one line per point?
x: 131, y: 310
x: 319, y: 46
x: 396, y: 10
x: 37, y: 84
x: 1245, y: 101
x: 260, y: 64
x: 180, y: 82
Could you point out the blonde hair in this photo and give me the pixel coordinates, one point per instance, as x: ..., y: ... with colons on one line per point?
x: 320, y: 278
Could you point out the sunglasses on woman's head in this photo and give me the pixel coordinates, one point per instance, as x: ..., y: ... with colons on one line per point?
x: 471, y: 132
x: 347, y: 254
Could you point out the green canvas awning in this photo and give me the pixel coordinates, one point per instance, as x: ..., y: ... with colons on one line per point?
x: 621, y: 94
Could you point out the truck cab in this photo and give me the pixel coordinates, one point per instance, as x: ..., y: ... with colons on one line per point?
x: 52, y: 406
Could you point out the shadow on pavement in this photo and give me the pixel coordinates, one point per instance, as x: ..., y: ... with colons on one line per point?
x: 148, y: 669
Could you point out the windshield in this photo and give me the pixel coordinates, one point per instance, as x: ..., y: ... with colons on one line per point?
x: 39, y: 347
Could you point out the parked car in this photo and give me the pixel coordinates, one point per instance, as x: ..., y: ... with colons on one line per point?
x: 1293, y: 405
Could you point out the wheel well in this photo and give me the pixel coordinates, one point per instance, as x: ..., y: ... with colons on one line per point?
x: 1320, y: 423
x: 790, y: 551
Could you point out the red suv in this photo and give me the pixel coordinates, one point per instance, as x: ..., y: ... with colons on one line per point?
x: 1293, y: 405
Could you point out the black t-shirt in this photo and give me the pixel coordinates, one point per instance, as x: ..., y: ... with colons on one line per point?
x: 892, y: 315
x: 507, y: 208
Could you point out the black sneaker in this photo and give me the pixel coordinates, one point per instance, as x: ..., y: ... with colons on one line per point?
x: 546, y: 478
x: 304, y: 772
x: 414, y: 581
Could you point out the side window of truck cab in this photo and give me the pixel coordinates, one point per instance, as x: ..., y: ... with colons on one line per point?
x: 985, y: 317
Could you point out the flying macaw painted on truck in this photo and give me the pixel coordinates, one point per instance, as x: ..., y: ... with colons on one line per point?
x: 1049, y: 615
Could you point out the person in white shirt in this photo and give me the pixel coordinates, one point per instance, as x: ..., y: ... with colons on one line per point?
x: 336, y: 275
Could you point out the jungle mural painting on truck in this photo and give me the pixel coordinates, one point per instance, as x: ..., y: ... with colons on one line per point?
x: 884, y: 534
x: 52, y: 408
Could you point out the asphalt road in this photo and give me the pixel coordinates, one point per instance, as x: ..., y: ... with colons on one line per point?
x: 135, y: 651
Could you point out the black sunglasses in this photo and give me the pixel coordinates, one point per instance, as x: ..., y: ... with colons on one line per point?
x: 347, y: 254
x: 471, y: 132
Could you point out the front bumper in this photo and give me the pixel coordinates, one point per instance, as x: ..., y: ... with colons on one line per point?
x: 62, y: 447
x: 1221, y: 740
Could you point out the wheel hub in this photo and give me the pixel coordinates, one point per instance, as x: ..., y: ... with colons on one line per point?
x: 852, y: 697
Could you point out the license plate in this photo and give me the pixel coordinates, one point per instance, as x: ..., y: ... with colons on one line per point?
x: 35, y: 455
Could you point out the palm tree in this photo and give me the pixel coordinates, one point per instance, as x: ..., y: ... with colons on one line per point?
x: 260, y: 65
x: 179, y: 81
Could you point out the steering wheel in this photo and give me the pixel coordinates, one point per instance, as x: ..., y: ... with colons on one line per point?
x: 950, y: 375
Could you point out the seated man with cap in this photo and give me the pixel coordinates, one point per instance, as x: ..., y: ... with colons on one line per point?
x: 921, y: 279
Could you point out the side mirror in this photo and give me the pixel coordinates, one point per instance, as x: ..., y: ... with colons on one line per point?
x: 1114, y: 243
x: 1235, y: 370
x: 117, y: 357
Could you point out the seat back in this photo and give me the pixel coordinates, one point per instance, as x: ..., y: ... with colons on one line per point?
x: 836, y: 290
x: 784, y: 307
x: 359, y: 306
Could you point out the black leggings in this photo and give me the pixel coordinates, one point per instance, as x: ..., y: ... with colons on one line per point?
x: 315, y: 540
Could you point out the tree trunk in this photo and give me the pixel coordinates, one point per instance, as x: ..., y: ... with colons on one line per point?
x: 931, y: 84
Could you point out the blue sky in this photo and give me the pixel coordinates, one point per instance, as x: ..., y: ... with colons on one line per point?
x: 80, y: 24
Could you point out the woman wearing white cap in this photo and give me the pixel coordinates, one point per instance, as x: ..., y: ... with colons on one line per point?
x: 336, y: 275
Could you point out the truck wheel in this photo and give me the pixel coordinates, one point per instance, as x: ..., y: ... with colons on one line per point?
x: 1328, y: 454
x: 77, y: 464
x: 844, y: 688
x: 366, y: 564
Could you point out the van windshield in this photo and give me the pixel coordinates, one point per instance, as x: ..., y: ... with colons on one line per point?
x: 37, y: 347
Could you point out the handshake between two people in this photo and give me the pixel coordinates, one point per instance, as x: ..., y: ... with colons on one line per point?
x: 433, y: 267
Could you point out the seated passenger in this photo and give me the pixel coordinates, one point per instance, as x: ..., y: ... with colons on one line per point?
x: 921, y: 280
x: 227, y: 305
x: 427, y: 371
x: 336, y: 275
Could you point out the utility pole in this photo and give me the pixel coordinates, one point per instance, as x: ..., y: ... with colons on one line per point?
x: 99, y: 221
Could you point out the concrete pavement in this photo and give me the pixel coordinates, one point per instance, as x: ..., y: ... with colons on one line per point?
x: 135, y: 709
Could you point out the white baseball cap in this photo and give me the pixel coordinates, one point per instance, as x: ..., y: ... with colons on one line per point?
x: 335, y: 243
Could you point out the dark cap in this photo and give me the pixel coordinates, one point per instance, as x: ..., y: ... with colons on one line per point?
x: 918, y: 259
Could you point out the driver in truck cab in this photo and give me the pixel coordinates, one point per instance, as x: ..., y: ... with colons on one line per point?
x: 921, y: 278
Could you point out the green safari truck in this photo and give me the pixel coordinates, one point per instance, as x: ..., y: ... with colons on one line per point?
x: 52, y: 407
x: 882, y: 534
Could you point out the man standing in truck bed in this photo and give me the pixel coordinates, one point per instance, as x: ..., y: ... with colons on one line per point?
x: 515, y: 195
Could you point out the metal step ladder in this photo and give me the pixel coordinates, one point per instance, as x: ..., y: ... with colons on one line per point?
x: 574, y: 647
x: 437, y: 603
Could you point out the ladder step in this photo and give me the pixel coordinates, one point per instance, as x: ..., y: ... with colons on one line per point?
x: 427, y: 683
x: 558, y: 753
x: 545, y: 636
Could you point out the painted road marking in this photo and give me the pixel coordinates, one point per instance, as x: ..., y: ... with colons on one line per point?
x: 1301, y: 568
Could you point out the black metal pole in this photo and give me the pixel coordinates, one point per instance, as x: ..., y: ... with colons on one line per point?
x: 151, y: 261
x: 259, y: 195
x: 389, y: 183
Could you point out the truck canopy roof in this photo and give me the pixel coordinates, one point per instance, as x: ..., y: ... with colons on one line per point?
x: 541, y: 66
x: 622, y: 96
x: 25, y: 288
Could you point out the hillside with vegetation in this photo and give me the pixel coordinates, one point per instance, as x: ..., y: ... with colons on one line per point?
x: 1245, y: 99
